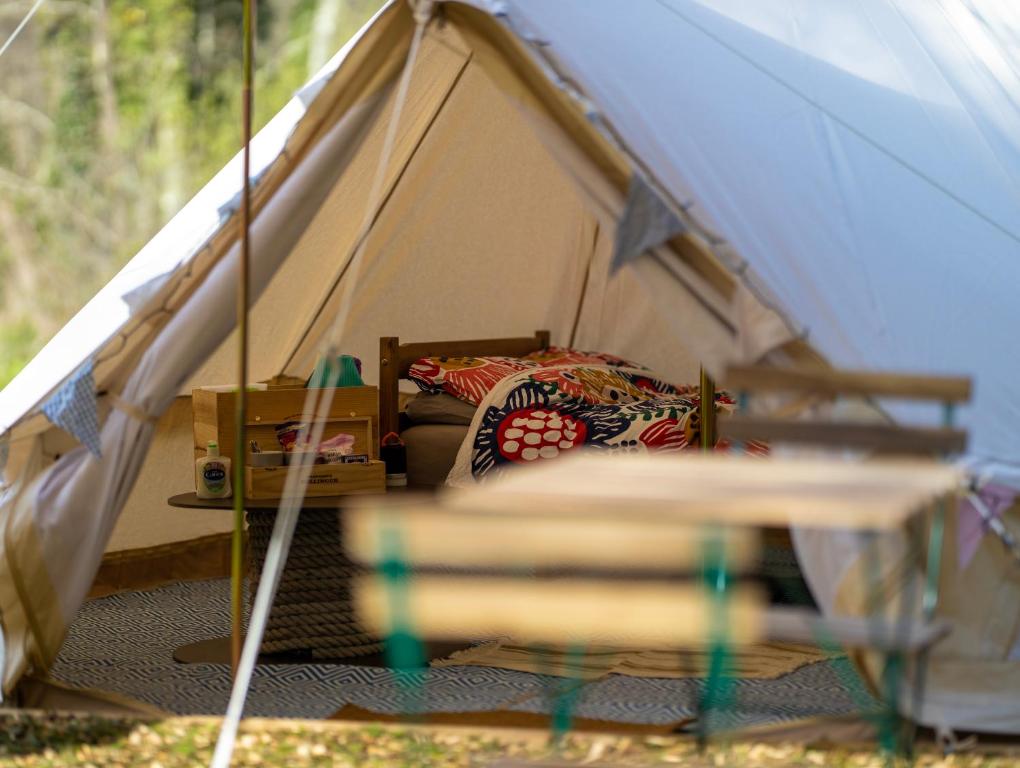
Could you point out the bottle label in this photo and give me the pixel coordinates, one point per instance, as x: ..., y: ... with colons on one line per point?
x: 214, y: 475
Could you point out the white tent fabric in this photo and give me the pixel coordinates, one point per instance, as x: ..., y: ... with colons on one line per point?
x: 863, y: 161
x: 855, y: 166
x: 862, y: 158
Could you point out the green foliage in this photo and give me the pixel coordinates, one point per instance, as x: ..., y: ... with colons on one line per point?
x: 113, y: 113
x: 17, y: 345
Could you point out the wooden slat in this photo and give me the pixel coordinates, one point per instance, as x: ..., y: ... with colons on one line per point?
x: 431, y: 535
x: 723, y: 490
x: 882, y: 437
x: 323, y: 480
x: 807, y: 626
x: 511, y: 347
x: 623, y: 614
x: 395, y: 360
x: 191, y: 501
x: 389, y: 385
x: 694, y: 252
x: 561, y: 611
x: 829, y: 381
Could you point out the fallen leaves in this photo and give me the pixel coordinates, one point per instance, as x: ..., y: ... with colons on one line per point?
x: 33, y: 740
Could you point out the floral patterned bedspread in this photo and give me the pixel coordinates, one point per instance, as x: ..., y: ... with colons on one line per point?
x: 540, y: 414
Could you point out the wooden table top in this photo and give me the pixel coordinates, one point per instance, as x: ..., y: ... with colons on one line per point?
x: 191, y: 501
x: 815, y: 492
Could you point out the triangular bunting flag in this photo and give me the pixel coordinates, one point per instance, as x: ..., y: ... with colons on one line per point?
x: 73, y: 408
x: 646, y: 223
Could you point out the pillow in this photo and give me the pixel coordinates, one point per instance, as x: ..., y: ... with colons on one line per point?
x: 426, y: 408
x: 466, y: 378
x: 567, y: 356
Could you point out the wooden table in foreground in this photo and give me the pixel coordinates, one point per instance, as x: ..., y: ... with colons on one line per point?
x: 312, y: 619
x: 637, y: 513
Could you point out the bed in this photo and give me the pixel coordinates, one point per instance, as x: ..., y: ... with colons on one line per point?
x: 434, y: 435
x: 435, y: 429
x: 518, y: 400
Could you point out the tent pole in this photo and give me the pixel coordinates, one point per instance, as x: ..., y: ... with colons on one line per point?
x: 240, y: 449
x: 314, y: 415
x: 706, y: 411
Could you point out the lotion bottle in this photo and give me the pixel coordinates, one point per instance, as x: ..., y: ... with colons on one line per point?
x: 212, y: 474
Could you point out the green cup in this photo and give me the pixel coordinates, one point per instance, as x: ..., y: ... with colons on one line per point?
x: 341, y: 371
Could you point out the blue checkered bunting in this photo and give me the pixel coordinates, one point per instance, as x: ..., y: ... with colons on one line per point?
x: 646, y: 222
x: 73, y: 408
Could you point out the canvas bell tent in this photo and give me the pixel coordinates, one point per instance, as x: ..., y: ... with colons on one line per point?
x: 772, y: 179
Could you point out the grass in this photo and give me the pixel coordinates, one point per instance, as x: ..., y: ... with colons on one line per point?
x: 33, y: 739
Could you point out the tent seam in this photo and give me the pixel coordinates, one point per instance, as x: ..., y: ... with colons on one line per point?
x: 375, y: 217
x: 584, y: 285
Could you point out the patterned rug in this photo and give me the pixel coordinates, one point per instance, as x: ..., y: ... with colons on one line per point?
x: 124, y: 643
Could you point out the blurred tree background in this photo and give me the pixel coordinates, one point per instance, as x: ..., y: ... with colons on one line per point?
x: 113, y: 113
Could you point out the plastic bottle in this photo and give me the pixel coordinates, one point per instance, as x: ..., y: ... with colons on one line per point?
x: 212, y: 474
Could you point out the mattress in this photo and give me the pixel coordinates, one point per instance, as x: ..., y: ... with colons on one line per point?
x: 426, y: 408
x: 431, y: 452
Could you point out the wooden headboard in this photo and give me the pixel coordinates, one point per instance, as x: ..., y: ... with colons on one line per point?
x: 395, y: 359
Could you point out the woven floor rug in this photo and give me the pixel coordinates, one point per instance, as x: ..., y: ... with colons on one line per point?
x: 124, y: 643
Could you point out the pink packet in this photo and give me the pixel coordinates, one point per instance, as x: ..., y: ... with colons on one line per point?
x: 332, y: 449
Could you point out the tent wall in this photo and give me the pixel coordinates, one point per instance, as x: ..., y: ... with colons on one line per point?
x: 483, y: 234
x: 169, y: 469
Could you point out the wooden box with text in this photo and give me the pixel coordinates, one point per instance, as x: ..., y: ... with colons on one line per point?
x: 323, y: 480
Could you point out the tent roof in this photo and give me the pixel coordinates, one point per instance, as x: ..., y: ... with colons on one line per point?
x: 861, y: 159
x: 859, y: 164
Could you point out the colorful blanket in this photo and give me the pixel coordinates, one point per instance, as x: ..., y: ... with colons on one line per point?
x: 540, y: 414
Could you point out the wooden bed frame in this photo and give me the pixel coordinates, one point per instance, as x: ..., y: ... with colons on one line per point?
x: 395, y: 359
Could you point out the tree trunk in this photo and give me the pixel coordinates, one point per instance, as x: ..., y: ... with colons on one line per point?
x: 21, y: 283
x: 322, y: 36
x: 102, y: 78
